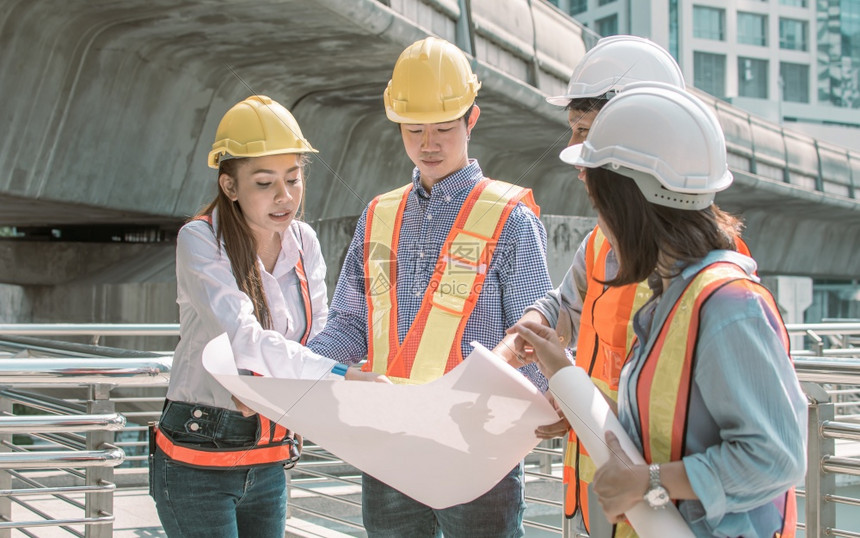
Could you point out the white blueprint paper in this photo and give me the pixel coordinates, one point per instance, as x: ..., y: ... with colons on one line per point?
x: 443, y: 443
x: 590, y: 417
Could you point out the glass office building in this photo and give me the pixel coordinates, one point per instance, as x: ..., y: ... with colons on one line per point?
x: 788, y: 60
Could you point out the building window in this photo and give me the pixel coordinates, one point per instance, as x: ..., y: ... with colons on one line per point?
x: 793, y: 3
x: 752, y: 78
x: 673, y: 28
x: 752, y: 29
x: 792, y: 34
x: 794, y: 82
x: 607, y: 25
x: 709, y: 23
x: 577, y: 6
x: 709, y: 73
x: 604, y: 2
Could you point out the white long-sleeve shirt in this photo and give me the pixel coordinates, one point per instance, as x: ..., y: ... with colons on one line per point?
x: 211, y: 303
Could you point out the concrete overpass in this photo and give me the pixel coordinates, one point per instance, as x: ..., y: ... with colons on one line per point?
x: 109, y: 110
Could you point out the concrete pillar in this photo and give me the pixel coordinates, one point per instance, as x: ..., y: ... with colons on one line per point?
x: 793, y: 294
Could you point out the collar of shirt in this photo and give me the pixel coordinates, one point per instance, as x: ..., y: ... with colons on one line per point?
x: 289, y: 255
x: 744, y: 262
x: 679, y: 283
x: 463, y: 178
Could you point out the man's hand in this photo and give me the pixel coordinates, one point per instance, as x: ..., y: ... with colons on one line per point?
x: 242, y: 408
x: 556, y: 429
x: 513, y: 349
x: 356, y: 374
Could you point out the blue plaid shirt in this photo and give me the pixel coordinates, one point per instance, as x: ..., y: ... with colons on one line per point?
x: 516, y: 278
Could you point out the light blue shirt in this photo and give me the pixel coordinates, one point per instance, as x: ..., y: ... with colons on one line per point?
x: 746, y: 439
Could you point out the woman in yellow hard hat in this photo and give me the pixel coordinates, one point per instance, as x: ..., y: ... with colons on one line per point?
x: 247, y: 266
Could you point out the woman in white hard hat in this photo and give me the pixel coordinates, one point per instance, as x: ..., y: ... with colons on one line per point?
x: 708, y: 392
x: 245, y: 265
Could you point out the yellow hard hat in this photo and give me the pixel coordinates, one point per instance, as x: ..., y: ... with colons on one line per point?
x: 432, y: 82
x: 256, y: 127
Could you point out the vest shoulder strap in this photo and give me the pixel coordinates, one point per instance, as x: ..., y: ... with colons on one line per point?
x: 432, y: 345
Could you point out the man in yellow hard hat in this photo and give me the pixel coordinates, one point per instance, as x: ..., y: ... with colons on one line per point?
x: 450, y: 258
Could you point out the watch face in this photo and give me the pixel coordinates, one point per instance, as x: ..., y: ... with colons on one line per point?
x: 657, y: 497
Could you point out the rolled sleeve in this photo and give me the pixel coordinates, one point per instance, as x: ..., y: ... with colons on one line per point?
x: 569, y: 295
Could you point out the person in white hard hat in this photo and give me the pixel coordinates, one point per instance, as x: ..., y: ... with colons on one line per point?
x: 246, y: 266
x: 449, y: 258
x: 582, y: 305
x: 708, y: 393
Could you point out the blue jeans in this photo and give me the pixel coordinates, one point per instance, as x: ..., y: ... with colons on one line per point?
x: 233, y: 503
x: 498, y: 513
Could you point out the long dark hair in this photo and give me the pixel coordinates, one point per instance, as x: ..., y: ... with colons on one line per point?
x: 240, y: 243
x: 642, y: 230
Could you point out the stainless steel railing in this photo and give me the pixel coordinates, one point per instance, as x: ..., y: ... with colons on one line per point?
x: 91, y: 452
x: 153, y: 374
x: 827, y: 380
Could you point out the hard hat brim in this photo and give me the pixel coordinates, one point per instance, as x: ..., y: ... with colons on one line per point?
x: 560, y: 100
x: 573, y: 155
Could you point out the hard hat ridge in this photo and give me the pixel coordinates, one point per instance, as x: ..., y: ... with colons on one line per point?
x: 432, y: 82
x: 255, y: 127
x: 615, y: 62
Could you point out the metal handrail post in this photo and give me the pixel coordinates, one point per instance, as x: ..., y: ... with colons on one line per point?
x: 5, y: 477
x: 820, y: 513
x: 99, y: 504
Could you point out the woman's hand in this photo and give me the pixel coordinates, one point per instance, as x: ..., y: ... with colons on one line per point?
x: 619, y: 483
x: 513, y: 348
x: 242, y: 408
x: 355, y: 373
x: 548, y: 352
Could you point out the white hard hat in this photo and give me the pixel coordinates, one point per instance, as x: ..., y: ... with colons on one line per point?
x: 617, y: 61
x: 665, y: 139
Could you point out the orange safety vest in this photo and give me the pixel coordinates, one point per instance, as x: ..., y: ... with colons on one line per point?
x: 605, y: 338
x: 432, y: 347
x: 274, y: 443
x: 666, y: 378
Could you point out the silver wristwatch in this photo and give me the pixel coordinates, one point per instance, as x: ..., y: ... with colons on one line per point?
x: 657, y: 497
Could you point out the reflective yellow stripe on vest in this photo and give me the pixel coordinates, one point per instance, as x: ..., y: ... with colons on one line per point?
x: 670, y: 376
x: 464, y: 256
x: 380, y: 273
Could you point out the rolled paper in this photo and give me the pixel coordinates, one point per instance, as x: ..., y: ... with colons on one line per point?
x: 591, y: 417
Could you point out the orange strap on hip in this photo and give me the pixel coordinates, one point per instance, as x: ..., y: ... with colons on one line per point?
x: 220, y: 458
